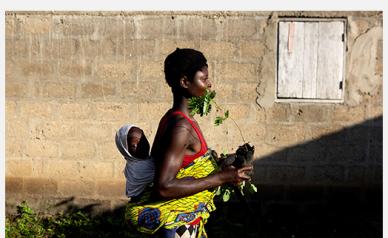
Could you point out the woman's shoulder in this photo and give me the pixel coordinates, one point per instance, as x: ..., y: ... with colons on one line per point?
x: 176, y: 120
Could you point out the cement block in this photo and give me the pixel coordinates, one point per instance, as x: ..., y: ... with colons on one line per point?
x: 348, y: 115
x: 58, y: 90
x: 279, y: 112
x: 108, y: 151
x: 117, y: 72
x: 37, y: 69
x: 111, y: 188
x: 113, y: 48
x: 167, y: 46
x: 267, y: 154
x: 37, y: 109
x: 238, y: 111
x: 211, y: 29
x: 347, y: 153
x: 326, y: 174
x: 15, y: 168
x: 154, y: 111
x: 309, y: 153
x: 76, y: 188
x: 13, y: 185
x: 16, y: 89
x: 20, y: 48
x: 110, y: 111
x: 14, y: 148
x: 95, y: 131
x: 17, y: 128
x: 74, y: 26
x: 60, y: 169
x: 37, y: 148
x: 247, y: 92
x: 285, y: 135
x: 240, y: 28
x: 251, y: 50
x: 310, y: 113
x: 122, y: 25
x: 145, y: 48
x: 95, y: 170
x: 189, y: 27
x: 40, y: 186
x: 74, y: 71
x: 374, y: 112
x: 286, y: 174
x: 235, y: 71
x: 225, y: 91
x: 36, y: 24
x: 155, y: 27
x: 219, y: 50
x: 78, y: 150
x: 75, y: 111
x: 251, y: 131
x: 151, y: 70
x: 326, y: 134
x: 97, y: 90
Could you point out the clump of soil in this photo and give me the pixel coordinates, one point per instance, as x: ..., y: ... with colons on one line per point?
x: 242, y: 157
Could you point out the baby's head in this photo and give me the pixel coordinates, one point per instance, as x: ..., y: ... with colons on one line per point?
x: 138, y: 145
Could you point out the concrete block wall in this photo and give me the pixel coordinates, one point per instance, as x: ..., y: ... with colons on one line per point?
x: 73, y: 78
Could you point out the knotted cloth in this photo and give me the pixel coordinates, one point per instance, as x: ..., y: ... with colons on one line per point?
x: 148, y: 216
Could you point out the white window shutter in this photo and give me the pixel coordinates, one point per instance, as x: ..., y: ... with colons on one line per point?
x: 310, y: 59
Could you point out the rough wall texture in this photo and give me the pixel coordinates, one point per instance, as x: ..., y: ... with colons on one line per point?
x: 73, y: 78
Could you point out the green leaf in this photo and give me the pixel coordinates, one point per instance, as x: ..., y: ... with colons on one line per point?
x: 218, y: 191
x: 253, y: 187
x: 226, y: 195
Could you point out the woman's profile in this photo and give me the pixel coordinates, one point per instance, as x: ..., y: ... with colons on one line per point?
x: 186, y: 175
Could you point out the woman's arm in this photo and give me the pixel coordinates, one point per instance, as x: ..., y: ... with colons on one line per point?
x: 175, y: 145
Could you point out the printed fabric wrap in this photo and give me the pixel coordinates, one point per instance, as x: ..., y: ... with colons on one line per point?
x: 148, y: 216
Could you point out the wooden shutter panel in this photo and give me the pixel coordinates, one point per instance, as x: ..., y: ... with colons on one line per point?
x: 330, y: 60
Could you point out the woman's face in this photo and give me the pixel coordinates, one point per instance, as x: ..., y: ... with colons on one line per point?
x: 200, y: 83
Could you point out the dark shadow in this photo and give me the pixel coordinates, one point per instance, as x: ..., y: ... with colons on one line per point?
x: 327, y: 187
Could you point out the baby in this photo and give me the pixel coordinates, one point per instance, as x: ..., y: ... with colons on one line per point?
x: 139, y: 169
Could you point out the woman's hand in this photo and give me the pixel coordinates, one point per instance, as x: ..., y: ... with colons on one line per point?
x: 235, y: 175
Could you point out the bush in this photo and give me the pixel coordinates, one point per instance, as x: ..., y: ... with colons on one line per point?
x: 75, y: 223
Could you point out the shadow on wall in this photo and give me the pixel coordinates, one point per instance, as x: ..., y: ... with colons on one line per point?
x: 328, y: 187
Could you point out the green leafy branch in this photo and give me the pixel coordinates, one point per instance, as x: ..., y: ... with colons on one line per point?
x: 203, y: 106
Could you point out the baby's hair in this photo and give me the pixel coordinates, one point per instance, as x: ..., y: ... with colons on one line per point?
x: 182, y: 62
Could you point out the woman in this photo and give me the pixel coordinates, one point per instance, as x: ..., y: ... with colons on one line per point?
x: 186, y: 175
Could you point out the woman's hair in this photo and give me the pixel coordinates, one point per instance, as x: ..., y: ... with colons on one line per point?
x: 182, y: 62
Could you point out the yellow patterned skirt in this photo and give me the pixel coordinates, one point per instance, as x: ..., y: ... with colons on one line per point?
x: 148, y: 216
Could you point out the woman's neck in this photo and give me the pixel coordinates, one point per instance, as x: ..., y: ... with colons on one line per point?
x: 181, y: 103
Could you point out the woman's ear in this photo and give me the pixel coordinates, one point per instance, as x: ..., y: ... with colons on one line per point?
x: 184, y: 82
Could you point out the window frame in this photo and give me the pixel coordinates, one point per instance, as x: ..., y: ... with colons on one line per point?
x: 310, y: 100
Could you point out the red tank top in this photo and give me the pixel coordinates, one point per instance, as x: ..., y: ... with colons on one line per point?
x: 187, y: 159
